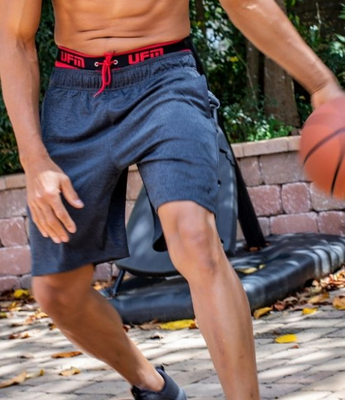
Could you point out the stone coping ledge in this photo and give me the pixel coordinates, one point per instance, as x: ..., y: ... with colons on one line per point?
x: 14, y: 181
x: 271, y: 146
x: 18, y: 181
x: 241, y: 150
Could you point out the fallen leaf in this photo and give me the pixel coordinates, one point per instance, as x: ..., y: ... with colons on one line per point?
x: 14, y: 306
x: 295, y: 347
x: 149, y: 326
x: 25, y: 335
x: 262, y: 266
x: 176, y: 325
x: 69, y: 354
x: 22, y: 335
x: 291, y: 300
x: 35, y: 374
x: 20, y: 293
x: 70, y: 372
x: 308, y: 311
x: 262, y: 311
x: 3, y: 315
x: 32, y: 318
x: 247, y: 271
x: 279, y: 305
x: 319, y: 299
x: 194, y: 325
x: 51, y: 326
x: 14, y: 381
x: 27, y: 356
x: 286, y: 339
x: 339, y: 303
x: 156, y: 335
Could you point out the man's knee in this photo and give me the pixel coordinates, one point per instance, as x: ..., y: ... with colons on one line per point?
x: 61, y: 295
x: 194, y: 245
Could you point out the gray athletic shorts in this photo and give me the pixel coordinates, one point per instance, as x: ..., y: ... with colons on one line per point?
x: 156, y: 114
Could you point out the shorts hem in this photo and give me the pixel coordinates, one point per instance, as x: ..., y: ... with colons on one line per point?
x: 201, y: 203
x: 71, y: 267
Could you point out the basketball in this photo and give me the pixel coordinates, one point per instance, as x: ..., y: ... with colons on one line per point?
x: 322, y: 148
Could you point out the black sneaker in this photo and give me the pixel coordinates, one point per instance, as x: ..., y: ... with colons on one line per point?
x: 171, y: 390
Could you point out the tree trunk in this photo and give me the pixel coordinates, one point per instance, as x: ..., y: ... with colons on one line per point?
x: 253, y: 69
x: 279, y: 90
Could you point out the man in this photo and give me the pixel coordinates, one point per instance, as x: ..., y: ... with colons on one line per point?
x: 125, y: 90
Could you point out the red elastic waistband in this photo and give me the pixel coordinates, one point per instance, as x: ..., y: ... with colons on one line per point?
x: 72, y: 59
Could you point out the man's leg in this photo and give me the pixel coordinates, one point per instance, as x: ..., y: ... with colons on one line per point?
x: 88, y: 320
x: 219, y: 301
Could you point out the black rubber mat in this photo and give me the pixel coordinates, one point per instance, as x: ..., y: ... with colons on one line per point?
x: 282, y: 268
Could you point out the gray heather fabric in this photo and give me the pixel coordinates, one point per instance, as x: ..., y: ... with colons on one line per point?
x: 156, y: 114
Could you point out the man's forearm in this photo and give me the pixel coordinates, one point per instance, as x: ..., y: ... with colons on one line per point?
x: 19, y: 74
x: 268, y: 28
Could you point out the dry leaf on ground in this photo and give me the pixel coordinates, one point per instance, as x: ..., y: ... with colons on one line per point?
x: 70, y: 372
x: 176, y: 325
x: 339, y: 303
x: 69, y: 354
x: 27, y: 356
x: 308, y: 311
x: 261, y: 311
x: 246, y: 271
x: 22, y: 335
x: 148, y: 326
x: 319, y: 299
x: 51, y: 326
x: 20, y: 293
x: 37, y: 315
x: 35, y: 374
x: 156, y: 335
x: 14, y: 381
x: 286, y: 339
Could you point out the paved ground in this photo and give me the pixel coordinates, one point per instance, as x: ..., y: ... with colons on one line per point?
x: 312, y: 369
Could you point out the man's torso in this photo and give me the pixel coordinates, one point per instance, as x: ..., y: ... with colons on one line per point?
x: 98, y: 26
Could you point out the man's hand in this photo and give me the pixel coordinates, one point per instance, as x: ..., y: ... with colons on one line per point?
x: 45, y: 184
x: 327, y: 93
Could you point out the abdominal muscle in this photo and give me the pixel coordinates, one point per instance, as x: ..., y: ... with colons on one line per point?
x: 98, y: 26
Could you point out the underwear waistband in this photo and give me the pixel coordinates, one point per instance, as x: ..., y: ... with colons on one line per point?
x: 71, y: 59
x: 67, y: 58
x: 82, y: 79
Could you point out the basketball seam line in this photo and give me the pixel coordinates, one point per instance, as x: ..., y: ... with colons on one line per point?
x: 340, y: 161
x: 321, y: 143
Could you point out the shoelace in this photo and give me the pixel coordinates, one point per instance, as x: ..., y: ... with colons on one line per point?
x: 106, y: 71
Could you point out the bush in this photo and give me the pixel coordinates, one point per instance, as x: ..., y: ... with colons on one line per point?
x: 222, y: 48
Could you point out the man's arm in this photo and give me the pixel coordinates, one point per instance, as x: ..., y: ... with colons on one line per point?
x: 269, y: 29
x: 19, y: 73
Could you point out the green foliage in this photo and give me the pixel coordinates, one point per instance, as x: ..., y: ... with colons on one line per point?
x: 223, y: 51
x: 248, y: 123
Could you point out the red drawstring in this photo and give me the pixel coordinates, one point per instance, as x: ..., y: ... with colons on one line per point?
x: 106, y: 71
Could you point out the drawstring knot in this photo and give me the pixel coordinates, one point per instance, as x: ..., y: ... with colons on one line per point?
x: 106, y: 71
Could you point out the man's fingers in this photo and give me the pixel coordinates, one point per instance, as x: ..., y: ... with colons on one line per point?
x: 62, y: 214
x: 51, y: 223
x: 69, y: 193
x: 37, y: 217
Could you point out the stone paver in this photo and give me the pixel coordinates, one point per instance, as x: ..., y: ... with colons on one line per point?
x: 311, y: 369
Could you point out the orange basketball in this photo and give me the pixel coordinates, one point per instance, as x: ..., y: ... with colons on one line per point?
x: 322, y: 147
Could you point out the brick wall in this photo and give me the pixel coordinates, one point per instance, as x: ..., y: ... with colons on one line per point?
x: 14, y: 238
x: 284, y: 200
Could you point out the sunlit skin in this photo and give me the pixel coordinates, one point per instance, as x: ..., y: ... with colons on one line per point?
x: 86, y: 318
